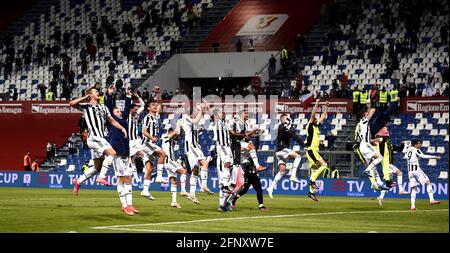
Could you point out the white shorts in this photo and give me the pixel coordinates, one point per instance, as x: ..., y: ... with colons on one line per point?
x: 367, y: 151
x: 136, y: 146
x: 171, y: 166
x: 194, y: 155
x: 224, y: 154
x: 98, y: 145
x: 416, y: 177
x: 282, y: 155
x: 149, y: 148
x: 122, y: 166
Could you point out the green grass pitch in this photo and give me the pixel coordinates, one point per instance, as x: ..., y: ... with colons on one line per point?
x: 94, y: 211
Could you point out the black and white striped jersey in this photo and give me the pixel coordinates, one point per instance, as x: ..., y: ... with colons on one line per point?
x: 222, y: 133
x: 362, y: 131
x: 190, y: 133
x: 412, y: 156
x: 133, y: 122
x: 168, y: 145
x: 152, y: 125
x: 239, y: 126
x: 95, y: 117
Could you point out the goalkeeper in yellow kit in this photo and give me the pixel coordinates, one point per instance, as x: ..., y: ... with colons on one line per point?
x: 312, y: 148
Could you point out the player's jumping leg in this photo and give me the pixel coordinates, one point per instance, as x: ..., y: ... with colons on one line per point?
x: 254, y: 157
x: 295, y: 167
x: 278, y: 176
x: 147, y: 179
x: 430, y: 193
x: 110, y: 153
x: 204, y: 176
x: 193, y: 186
x: 160, y: 166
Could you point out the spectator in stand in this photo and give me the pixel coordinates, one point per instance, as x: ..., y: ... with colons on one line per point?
x: 284, y: 59
x: 239, y: 45
x: 71, y: 144
x: 256, y: 84
x: 437, y: 94
x: 49, y: 149
x: 444, y: 33
x: 27, y: 162
x: 145, y: 95
x: 15, y: 94
x: 343, y: 80
x: 84, y: 137
x: 445, y: 91
x: 272, y: 67
x: 305, y: 91
x: 298, y: 83
x: 251, y: 45
x: 92, y: 51
x: 411, y: 90
x: 150, y: 55
x: 112, y: 67
x: 35, y: 165
x: 325, y: 53
x: 119, y: 84
x: 42, y: 87
x: 374, y: 95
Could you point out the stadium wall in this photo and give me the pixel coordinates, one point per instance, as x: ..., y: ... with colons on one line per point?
x: 29, y: 126
x: 208, y: 65
x: 327, y: 187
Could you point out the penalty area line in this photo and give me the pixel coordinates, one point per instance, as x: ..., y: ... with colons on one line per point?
x: 127, y: 226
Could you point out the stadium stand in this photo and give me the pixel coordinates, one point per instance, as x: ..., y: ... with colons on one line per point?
x: 74, y: 17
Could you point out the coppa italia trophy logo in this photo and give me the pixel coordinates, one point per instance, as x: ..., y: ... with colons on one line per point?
x: 265, y: 22
x: 263, y: 25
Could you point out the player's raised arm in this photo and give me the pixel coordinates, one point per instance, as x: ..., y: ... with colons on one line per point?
x: 324, y: 114
x: 422, y: 155
x: 314, y: 110
x: 74, y: 103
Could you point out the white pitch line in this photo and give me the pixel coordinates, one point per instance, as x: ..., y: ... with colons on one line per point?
x: 149, y: 230
x: 122, y: 227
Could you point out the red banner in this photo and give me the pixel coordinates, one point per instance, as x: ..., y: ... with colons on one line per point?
x: 423, y: 105
x: 32, y: 107
x: 12, y: 108
x: 334, y: 106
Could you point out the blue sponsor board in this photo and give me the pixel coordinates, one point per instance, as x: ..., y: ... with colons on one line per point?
x: 328, y: 187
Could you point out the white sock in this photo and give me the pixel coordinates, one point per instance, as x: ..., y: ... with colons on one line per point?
x: 430, y: 192
x: 103, y: 172
x: 146, y: 185
x: 226, y: 176
x: 173, y: 190
x: 120, y: 191
x: 382, y: 194
x: 193, y: 184
x: 183, y: 182
x: 221, y: 198
x: 295, y: 166
x: 254, y: 157
x: 88, y: 174
x: 413, y: 197
x: 128, y: 193
x: 374, y: 163
x: 400, y: 182
x: 277, y: 178
x: 159, y: 170
x: 105, y: 166
x: 204, y: 177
